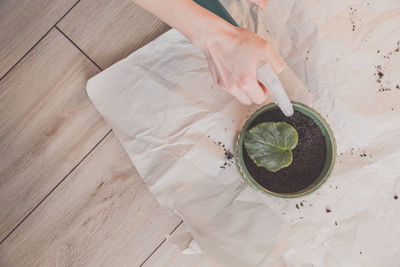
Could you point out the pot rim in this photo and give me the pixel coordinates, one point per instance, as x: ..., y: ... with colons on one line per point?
x: 330, y: 154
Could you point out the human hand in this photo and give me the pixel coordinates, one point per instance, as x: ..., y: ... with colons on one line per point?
x: 259, y: 3
x: 233, y: 55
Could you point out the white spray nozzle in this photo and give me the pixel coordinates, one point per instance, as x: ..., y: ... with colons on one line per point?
x: 267, y: 76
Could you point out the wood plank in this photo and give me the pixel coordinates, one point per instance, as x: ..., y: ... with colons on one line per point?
x: 23, y: 23
x: 102, y: 215
x: 109, y: 30
x: 168, y: 254
x: 47, y: 125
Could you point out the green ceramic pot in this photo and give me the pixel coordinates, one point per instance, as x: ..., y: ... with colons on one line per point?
x: 330, y: 150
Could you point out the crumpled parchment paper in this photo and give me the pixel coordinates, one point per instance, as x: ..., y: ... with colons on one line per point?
x: 344, y: 61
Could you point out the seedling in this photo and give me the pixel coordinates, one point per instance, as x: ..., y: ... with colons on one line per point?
x: 270, y: 144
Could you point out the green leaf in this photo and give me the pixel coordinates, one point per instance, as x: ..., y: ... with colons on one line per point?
x: 270, y: 144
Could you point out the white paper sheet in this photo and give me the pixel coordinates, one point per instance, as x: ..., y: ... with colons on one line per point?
x: 162, y: 104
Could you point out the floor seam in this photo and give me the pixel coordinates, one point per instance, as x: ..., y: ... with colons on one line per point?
x: 162, y: 242
x: 54, y: 188
x: 41, y: 38
x: 72, y: 42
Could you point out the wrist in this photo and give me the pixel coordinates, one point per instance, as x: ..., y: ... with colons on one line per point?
x: 211, y: 33
x: 203, y: 27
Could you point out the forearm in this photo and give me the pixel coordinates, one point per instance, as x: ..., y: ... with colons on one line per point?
x: 192, y: 20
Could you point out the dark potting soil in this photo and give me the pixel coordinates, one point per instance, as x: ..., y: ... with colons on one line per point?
x: 308, y: 156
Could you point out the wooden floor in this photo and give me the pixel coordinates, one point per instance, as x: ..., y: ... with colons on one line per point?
x: 69, y: 195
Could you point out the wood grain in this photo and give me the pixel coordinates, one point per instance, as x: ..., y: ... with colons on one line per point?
x: 109, y: 30
x: 47, y: 125
x: 169, y: 254
x: 23, y: 23
x: 102, y: 215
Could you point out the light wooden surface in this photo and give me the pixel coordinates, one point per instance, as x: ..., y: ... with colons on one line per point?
x: 102, y: 215
x: 47, y: 125
x: 69, y: 195
x: 23, y: 23
x: 109, y: 30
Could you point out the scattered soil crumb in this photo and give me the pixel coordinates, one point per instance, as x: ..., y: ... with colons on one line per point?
x: 229, y: 161
x: 379, y: 73
x: 379, y: 70
x: 297, y: 206
x: 336, y: 223
x: 328, y: 210
x: 228, y: 154
x: 396, y: 197
x: 353, y: 18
